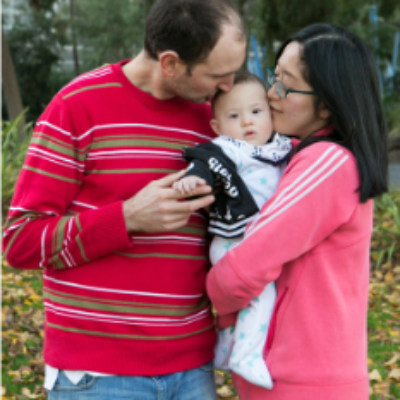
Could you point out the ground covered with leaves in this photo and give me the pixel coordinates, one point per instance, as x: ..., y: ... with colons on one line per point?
x: 23, y: 319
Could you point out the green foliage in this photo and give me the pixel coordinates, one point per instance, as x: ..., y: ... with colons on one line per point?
x: 387, y: 231
x: 110, y: 30
x: 35, y: 44
x: 14, y: 142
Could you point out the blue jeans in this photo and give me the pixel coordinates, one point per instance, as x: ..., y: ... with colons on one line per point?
x: 194, y: 384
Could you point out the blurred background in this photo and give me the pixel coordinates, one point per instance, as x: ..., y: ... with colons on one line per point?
x: 46, y: 43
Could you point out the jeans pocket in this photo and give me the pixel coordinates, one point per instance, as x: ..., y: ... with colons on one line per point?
x: 63, y: 384
x: 209, y: 367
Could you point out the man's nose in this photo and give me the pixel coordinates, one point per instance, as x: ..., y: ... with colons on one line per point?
x: 226, y: 83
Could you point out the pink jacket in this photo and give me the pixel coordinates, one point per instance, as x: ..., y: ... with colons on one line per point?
x: 312, y: 238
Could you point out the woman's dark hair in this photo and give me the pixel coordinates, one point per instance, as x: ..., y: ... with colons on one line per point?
x: 240, y: 77
x: 342, y: 71
x: 189, y: 27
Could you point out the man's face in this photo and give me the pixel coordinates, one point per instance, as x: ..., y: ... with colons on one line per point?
x: 216, y: 72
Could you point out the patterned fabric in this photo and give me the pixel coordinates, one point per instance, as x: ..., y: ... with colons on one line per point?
x: 240, y: 348
x: 114, y: 303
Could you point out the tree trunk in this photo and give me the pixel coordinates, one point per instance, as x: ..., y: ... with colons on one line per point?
x: 10, y: 84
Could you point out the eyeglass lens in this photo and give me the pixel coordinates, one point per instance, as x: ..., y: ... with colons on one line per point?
x: 279, y: 86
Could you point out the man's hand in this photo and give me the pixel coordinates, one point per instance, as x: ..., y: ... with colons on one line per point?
x: 156, y: 208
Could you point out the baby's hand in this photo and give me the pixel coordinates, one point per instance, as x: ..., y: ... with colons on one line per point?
x: 188, y: 184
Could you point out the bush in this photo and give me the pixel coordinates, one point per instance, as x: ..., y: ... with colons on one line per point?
x: 15, y: 143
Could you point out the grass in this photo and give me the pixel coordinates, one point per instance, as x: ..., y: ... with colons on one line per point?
x: 22, y: 373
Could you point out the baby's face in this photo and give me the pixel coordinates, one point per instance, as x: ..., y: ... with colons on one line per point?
x: 243, y: 113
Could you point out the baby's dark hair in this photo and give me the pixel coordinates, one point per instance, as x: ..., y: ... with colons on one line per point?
x: 240, y: 77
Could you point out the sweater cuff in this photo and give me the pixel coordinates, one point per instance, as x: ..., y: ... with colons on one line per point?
x: 107, y: 230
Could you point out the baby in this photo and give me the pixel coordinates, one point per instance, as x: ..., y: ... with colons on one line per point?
x: 244, y: 165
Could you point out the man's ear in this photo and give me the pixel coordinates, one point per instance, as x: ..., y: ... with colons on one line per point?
x: 215, y: 126
x: 170, y: 63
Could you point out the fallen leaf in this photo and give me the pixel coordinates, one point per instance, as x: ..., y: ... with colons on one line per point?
x: 219, y: 378
x: 382, y: 388
x: 225, y: 391
x: 375, y: 375
x: 26, y: 392
x: 393, y: 360
x: 395, y: 374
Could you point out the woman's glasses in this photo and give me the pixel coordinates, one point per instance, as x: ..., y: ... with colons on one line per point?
x: 280, y: 87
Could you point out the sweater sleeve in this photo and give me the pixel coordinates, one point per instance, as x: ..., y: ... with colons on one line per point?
x: 316, y: 195
x: 40, y: 232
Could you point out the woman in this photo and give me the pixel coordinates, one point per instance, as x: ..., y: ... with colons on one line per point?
x: 313, y: 235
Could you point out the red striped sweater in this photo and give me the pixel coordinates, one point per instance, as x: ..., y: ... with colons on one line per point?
x: 114, y: 304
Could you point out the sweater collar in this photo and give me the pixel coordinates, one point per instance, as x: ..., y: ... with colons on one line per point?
x: 171, y: 105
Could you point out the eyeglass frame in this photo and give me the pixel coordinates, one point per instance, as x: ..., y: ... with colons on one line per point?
x: 271, y: 73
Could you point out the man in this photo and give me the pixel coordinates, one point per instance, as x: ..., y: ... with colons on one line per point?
x: 125, y: 259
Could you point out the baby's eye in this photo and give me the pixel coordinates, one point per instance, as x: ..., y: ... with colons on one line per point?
x: 233, y: 116
x: 256, y: 110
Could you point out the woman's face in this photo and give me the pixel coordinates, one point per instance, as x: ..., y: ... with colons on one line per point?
x: 296, y: 115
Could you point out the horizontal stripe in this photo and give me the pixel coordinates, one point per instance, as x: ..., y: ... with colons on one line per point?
x: 57, y: 128
x: 229, y: 227
x: 96, y: 154
x: 135, y: 143
x: 162, y: 255
x: 227, y: 234
x: 79, y: 203
x: 129, y: 292
x: 76, y: 167
x: 133, y: 171
x: 171, y: 238
x: 68, y: 145
x: 123, y: 336
x: 204, y: 301
x: 121, y: 308
x: 59, y: 177
x: 164, y: 139
x: 105, y: 85
x: 126, y: 319
x: 144, y: 126
x: 73, y: 162
x: 34, y: 211
x: 57, y: 148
